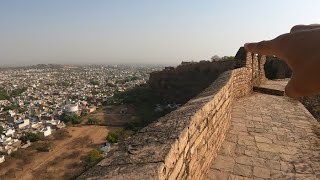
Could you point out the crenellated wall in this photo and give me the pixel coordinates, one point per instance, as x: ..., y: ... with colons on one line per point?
x: 182, y: 144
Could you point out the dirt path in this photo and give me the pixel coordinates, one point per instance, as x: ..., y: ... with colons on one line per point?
x: 58, y: 149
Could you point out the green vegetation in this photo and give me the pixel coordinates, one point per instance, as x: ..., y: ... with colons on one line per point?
x: 3, y: 95
x: 119, y: 135
x: 32, y: 137
x: 61, y: 134
x: 113, y: 137
x: 65, y: 84
x: 10, y: 107
x: 111, y: 85
x: 42, y: 146
x: 18, y: 92
x: 71, y: 118
x: 144, y: 100
x: 128, y: 79
x: 227, y: 58
x: 93, y: 121
x: 133, y: 78
x: 94, y: 82
x: 224, y: 58
x: 14, y: 93
x: 93, y: 158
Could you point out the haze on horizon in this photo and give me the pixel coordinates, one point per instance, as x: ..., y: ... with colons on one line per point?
x: 141, y: 31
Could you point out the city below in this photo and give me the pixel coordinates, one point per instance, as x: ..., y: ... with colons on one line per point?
x: 45, y: 107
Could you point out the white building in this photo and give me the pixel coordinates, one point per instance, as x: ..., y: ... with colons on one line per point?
x: 25, y: 123
x: 2, y: 159
x: 46, y: 131
x: 71, y: 108
x: 11, y: 113
x: 9, y: 132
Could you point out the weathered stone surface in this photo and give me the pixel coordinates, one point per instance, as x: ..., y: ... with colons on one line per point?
x: 262, y: 140
x: 284, y: 152
x: 224, y: 163
x: 261, y: 172
x: 188, y: 139
x: 243, y: 170
x: 126, y: 171
x: 217, y: 175
x: 256, y: 137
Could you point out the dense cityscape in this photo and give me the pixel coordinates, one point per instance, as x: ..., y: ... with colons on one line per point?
x: 36, y: 101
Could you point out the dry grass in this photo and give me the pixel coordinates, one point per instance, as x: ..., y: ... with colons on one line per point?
x: 62, y: 162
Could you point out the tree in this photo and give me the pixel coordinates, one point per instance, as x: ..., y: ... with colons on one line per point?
x: 93, y: 158
x: 10, y: 107
x: 94, y: 82
x: 18, y: 92
x: 93, y: 121
x: 215, y: 58
x: 72, y: 118
x: 227, y: 58
x: 112, y: 137
x: 43, y: 146
x: 61, y: 134
x: 3, y: 95
x: 32, y: 137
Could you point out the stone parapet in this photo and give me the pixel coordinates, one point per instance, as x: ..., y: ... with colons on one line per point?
x: 182, y: 144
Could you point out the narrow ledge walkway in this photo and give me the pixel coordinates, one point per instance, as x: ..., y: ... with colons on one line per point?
x: 271, y: 137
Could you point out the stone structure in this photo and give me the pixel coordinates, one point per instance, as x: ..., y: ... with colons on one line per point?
x: 180, y: 84
x: 270, y: 137
x: 184, y: 143
x: 277, y: 69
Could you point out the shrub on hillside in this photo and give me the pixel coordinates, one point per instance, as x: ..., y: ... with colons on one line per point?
x: 32, y: 137
x: 43, y: 146
x: 93, y: 121
x: 61, y: 134
x: 113, y: 137
x: 93, y: 158
x: 71, y: 118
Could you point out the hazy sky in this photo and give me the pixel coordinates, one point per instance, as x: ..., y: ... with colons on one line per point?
x: 140, y: 31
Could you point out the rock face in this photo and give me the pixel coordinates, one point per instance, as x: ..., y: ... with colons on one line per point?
x: 277, y: 69
x: 178, y: 85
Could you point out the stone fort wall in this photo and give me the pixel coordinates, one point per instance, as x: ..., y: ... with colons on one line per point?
x: 180, y: 84
x: 183, y: 144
